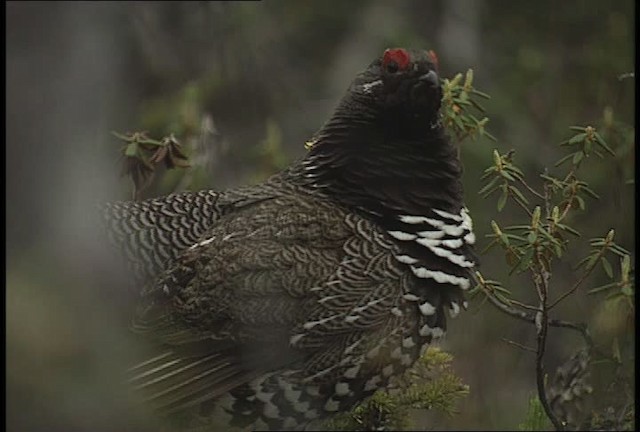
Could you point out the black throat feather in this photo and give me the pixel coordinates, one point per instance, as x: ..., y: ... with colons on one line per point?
x: 383, y: 164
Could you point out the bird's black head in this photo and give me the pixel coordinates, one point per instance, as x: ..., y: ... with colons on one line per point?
x: 383, y: 151
x: 401, y: 83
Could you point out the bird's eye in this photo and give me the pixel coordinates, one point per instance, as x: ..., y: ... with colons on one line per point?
x: 395, y: 60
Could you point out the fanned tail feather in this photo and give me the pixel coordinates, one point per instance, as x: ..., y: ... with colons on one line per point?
x: 171, y: 382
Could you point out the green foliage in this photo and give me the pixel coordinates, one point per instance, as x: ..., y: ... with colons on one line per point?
x: 535, y: 419
x: 504, y: 174
x: 546, y: 234
x: 430, y: 384
x: 543, y: 240
x: 460, y: 108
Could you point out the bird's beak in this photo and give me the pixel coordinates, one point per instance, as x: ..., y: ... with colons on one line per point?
x: 430, y: 77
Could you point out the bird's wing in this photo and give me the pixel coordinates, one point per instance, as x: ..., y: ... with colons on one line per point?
x: 293, y: 284
x: 153, y: 232
x: 224, y: 309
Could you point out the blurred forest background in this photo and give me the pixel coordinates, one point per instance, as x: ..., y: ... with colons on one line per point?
x: 243, y: 85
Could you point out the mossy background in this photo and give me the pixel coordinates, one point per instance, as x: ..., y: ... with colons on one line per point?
x: 244, y: 85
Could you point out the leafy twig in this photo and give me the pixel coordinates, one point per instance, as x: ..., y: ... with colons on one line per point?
x: 141, y: 154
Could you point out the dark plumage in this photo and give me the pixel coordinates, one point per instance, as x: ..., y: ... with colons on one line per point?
x: 287, y: 301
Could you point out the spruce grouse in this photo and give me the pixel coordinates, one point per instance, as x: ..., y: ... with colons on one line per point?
x: 288, y: 301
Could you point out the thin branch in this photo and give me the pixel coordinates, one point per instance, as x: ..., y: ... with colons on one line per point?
x: 536, y: 284
x: 524, y: 316
x: 570, y: 174
x: 567, y: 207
x: 509, y: 310
x: 547, y: 200
x: 524, y: 207
x: 516, y: 344
x: 523, y: 305
x: 530, y: 189
x: 542, y: 325
x: 570, y: 290
x: 579, y: 327
x: 578, y: 282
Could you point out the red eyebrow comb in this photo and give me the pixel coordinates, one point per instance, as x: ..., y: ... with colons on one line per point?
x: 434, y: 59
x: 398, y: 55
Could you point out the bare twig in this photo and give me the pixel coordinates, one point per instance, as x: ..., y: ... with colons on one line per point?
x: 523, y: 305
x: 516, y: 344
x: 547, y: 199
x: 537, y: 284
x: 577, y: 284
x: 524, y: 316
x: 530, y: 189
x: 524, y: 207
x: 542, y: 326
x: 570, y: 174
x: 579, y: 327
x: 565, y: 211
x: 509, y: 310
